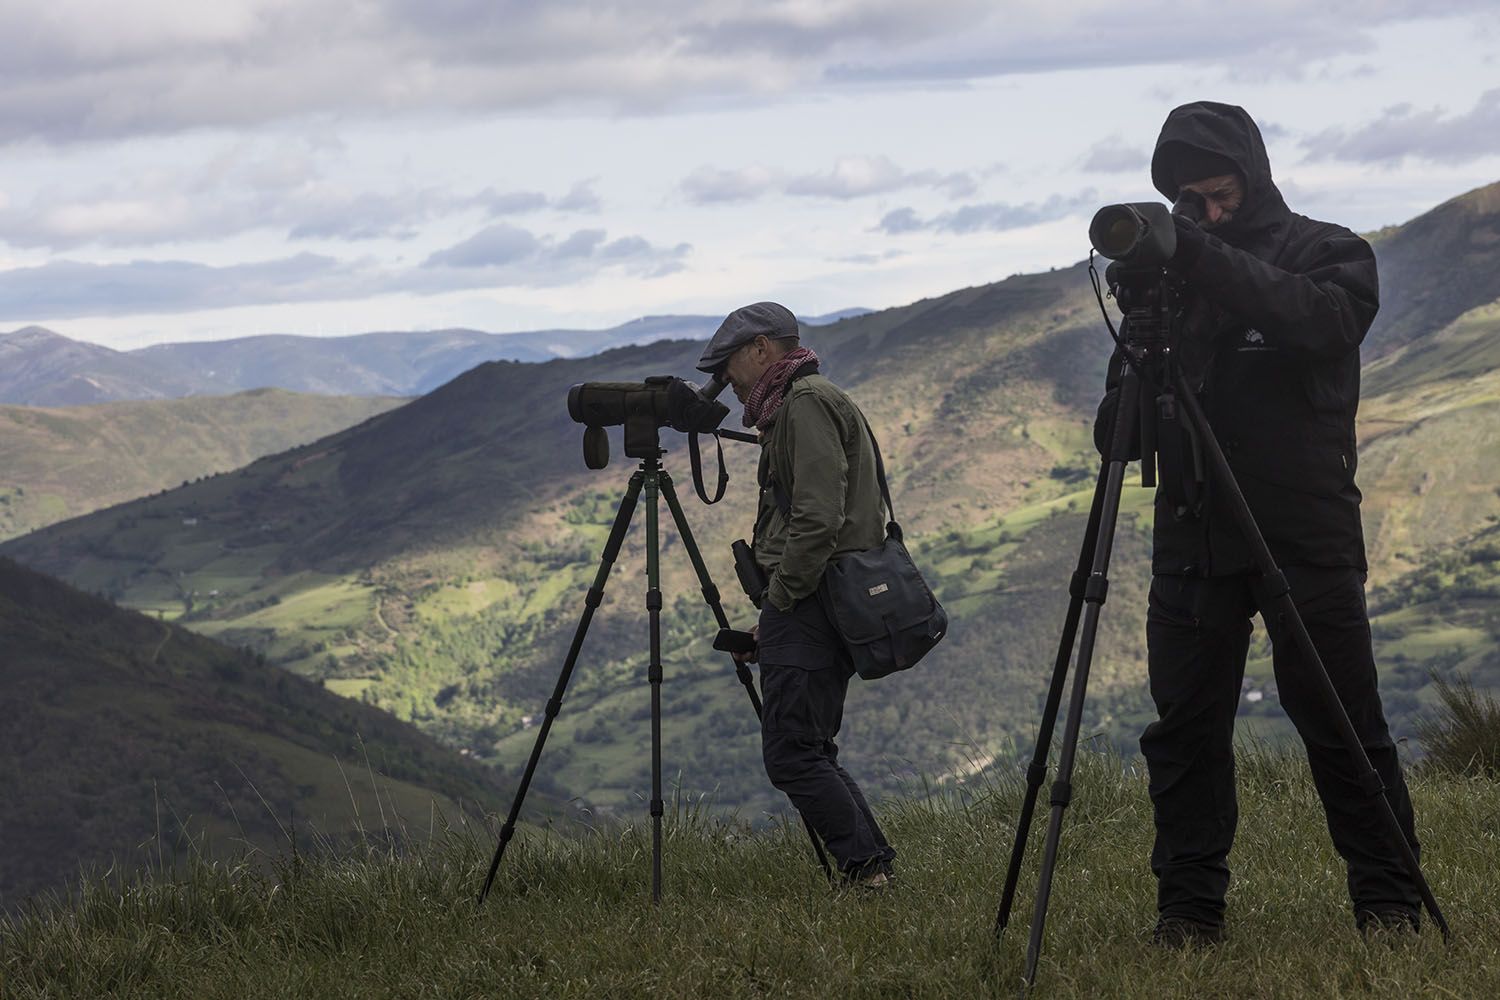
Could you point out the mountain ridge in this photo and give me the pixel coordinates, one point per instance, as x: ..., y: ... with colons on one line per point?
x: 45, y: 368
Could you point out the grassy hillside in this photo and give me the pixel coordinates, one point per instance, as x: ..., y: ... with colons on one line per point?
x: 746, y: 914
x: 128, y: 739
x: 433, y: 561
x: 63, y: 462
x: 1436, y: 267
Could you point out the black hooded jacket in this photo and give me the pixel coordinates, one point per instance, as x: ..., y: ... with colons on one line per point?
x: 1278, y: 303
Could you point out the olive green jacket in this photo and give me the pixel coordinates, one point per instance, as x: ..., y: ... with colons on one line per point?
x: 818, y: 450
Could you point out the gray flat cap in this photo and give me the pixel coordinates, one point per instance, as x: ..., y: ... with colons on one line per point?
x: 769, y: 319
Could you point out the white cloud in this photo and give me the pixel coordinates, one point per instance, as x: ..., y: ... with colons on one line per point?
x: 1268, y: 38
x: 510, y: 202
x: 580, y: 198
x: 861, y: 176
x: 851, y: 177
x: 80, y: 69
x: 241, y: 189
x: 986, y: 217
x: 870, y: 259
x: 709, y: 185
x: 498, y: 256
x: 1404, y: 131
x: 1116, y: 155
x: 495, y: 246
x: 901, y: 220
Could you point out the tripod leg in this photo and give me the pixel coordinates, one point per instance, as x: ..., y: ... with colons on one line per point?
x: 1279, y: 596
x: 711, y: 597
x: 654, y: 675
x: 1095, y: 589
x: 1036, y: 772
x: 592, y: 601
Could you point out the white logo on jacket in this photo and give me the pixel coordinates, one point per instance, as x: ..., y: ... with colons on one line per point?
x: 1255, y: 341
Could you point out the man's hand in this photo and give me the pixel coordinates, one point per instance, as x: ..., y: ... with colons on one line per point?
x: 1190, y: 241
x: 754, y: 654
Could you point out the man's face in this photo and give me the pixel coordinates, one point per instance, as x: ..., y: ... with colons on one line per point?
x: 747, y: 364
x: 1222, y: 197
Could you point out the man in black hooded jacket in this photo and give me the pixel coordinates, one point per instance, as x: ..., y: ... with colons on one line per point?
x: 1276, y: 305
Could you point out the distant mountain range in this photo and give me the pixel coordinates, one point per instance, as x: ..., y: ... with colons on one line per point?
x: 41, y: 368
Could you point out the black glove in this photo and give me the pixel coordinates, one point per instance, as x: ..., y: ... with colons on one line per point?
x: 1190, y: 243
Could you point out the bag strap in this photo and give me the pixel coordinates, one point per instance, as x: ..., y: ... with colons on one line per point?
x: 892, y: 528
x: 784, y: 502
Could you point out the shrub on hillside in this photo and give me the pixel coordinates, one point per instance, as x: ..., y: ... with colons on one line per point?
x: 1464, y: 736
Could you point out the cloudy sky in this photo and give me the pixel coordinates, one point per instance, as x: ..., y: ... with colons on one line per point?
x: 181, y: 170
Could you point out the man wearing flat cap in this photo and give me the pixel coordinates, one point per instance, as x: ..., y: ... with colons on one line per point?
x: 819, y: 499
x: 1275, y: 307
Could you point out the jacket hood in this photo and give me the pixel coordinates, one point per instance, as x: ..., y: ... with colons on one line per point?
x: 1228, y: 131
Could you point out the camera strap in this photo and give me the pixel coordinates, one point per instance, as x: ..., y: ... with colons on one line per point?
x: 696, y: 458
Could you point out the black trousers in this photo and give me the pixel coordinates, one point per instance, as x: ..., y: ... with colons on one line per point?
x: 1197, y: 634
x: 804, y: 675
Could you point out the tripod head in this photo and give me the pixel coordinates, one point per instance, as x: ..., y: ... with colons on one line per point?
x: 1152, y: 299
x: 1140, y: 240
x: 1148, y: 296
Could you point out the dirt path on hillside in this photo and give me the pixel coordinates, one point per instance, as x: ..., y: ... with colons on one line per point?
x: 166, y: 634
x: 379, y: 601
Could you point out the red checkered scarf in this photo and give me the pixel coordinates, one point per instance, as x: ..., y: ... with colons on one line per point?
x: 768, y: 394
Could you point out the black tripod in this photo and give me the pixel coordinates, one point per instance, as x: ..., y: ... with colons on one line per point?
x: 651, y: 478
x: 1147, y: 297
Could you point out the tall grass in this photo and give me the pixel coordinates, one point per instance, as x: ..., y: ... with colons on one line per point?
x: 1463, y: 736
x: 747, y: 913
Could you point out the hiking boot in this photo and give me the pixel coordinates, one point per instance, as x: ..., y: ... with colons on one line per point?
x: 874, y: 878
x: 1392, y: 923
x: 1181, y: 933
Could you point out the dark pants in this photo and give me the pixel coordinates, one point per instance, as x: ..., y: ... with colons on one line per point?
x: 1197, y: 635
x: 804, y: 674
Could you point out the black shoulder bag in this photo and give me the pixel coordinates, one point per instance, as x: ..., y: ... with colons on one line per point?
x: 877, y: 600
